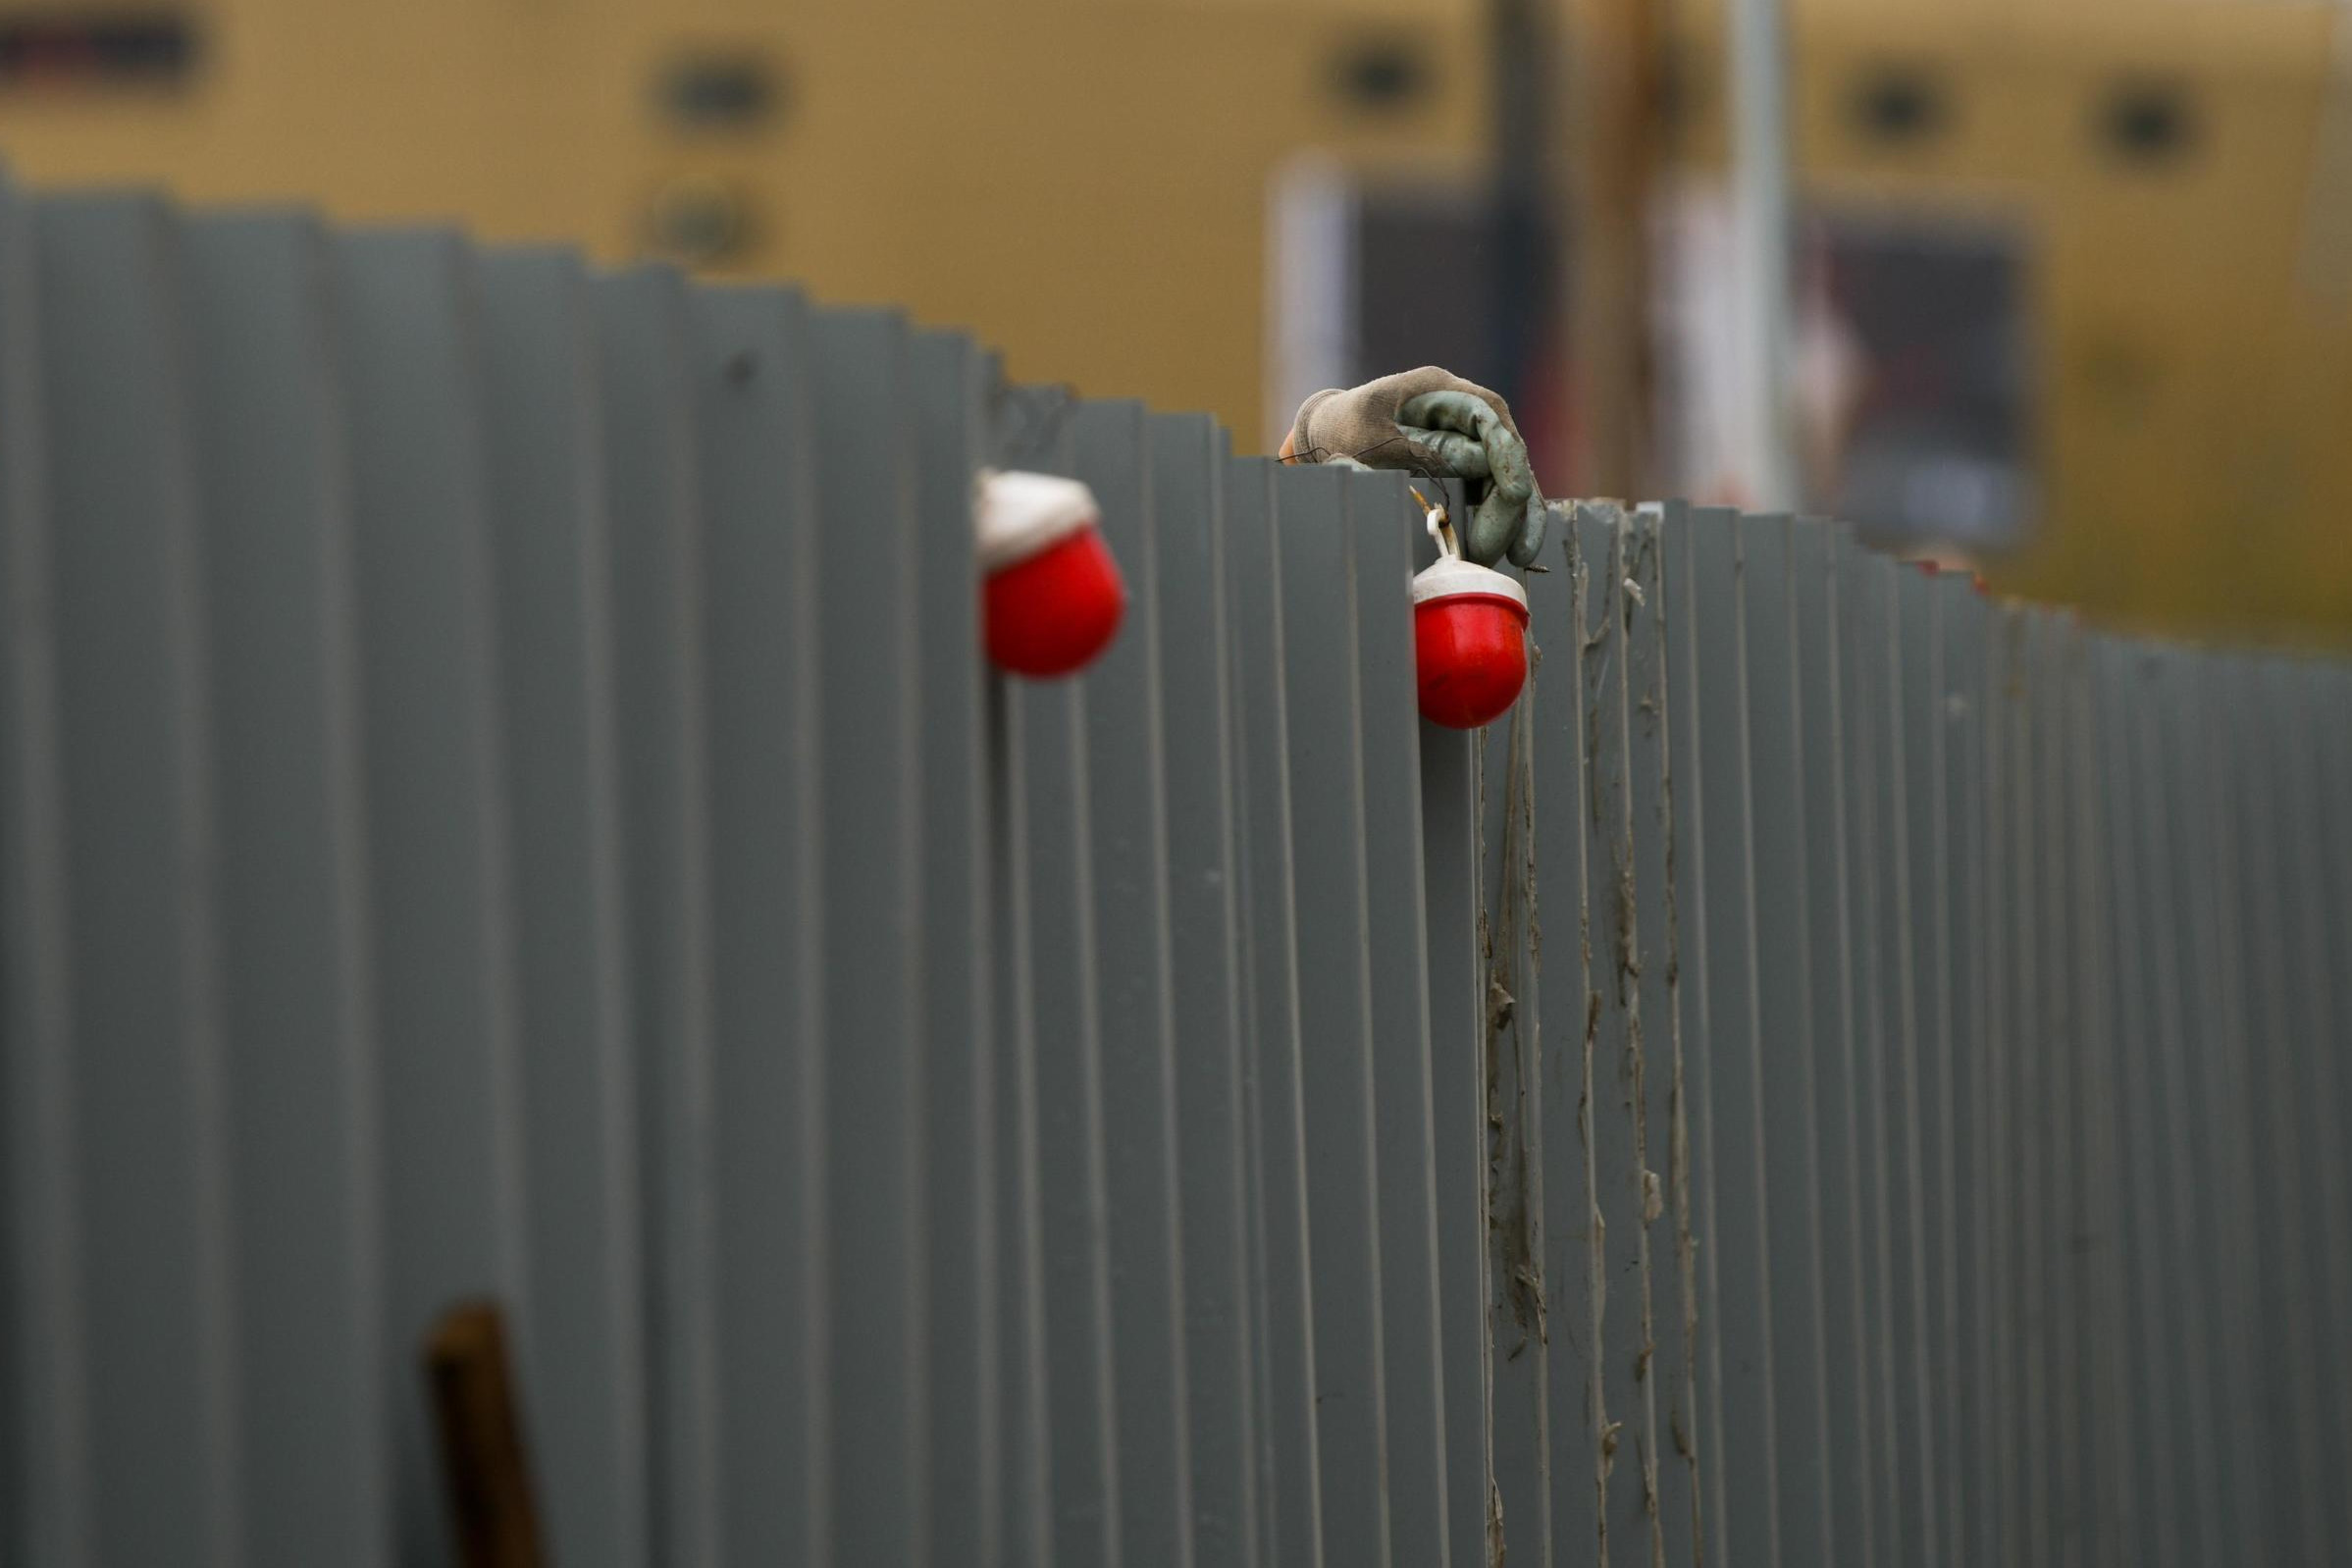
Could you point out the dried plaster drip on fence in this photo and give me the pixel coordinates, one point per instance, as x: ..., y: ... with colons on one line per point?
x: 1486, y: 1195
x: 1639, y: 540
x: 1631, y: 553
x: 1592, y: 644
x: 1510, y: 1208
x: 1682, y: 1410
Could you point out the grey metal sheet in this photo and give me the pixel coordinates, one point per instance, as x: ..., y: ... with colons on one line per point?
x: 1832, y: 739
x: 264, y: 395
x: 1542, y: 1467
x: 1864, y: 583
x: 1450, y: 849
x: 1127, y: 825
x: 868, y: 868
x: 437, y: 830
x: 1066, y: 1087
x: 2312, y: 1043
x: 2325, y: 716
x: 1022, y: 1446
x: 2150, y: 1526
x: 1197, y: 717
x: 949, y: 373
x: 2193, y: 1480
x: 1627, y: 1195
x: 1955, y: 718
x: 2221, y: 1059
x: 2006, y: 934
x: 655, y: 509
x: 1743, y: 1498
x: 143, y: 1090
x: 2035, y: 1074
x: 1916, y: 1129
x: 1017, y: 437
x: 2042, y: 1102
x: 2087, y: 1240
x: 748, y: 374
x: 2105, y: 1300
x: 1283, y: 1345
x: 1384, y: 523
x: 1327, y: 837
x: 579, y: 1350
x: 1656, y: 1181
x: 1874, y: 665
x: 2056, y: 1119
x: 45, y: 1431
x: 2289, y: 1253
x: 1790, y: 1034
x: 1693, y: 1357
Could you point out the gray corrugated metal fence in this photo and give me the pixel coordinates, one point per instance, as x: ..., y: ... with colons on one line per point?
x: 499, y: 797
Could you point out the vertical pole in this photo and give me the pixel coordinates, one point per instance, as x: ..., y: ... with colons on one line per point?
x: 1618, y: 89
x: 1760, y: 235
x: 1520, y: 43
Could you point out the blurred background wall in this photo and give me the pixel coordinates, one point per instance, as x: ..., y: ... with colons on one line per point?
x: 2074, y: 278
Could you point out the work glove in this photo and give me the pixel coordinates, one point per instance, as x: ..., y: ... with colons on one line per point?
x: 1432, y: 423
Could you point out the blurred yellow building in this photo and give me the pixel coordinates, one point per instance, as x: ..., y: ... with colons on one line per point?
x: 1086, y: 183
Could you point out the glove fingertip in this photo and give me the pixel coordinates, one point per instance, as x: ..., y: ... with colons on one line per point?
x: 1530, y: 543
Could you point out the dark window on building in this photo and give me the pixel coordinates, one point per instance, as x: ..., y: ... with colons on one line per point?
x: 2148, y: 124
x: 1899, y: 106
x: 720, y: 91
x: 42, y: 50
x: 1381, y: 76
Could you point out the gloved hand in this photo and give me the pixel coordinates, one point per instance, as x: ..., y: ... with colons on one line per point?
x: 1432, y: 422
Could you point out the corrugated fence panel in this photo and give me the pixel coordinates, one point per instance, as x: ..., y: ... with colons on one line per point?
x: 750, y: 372
x: 1658, y: 1180
x: 654, y: 507
x: 2220, y: 1055
x: 2107, y: 1389
x: 1615, y: 1108
x: 960, y: 1271
x: 1830, y: 746
x: 1022, y: 432
x: 1791, y: 1042
x: 1911, y: 835
x: 504, y: 798
x: 145, y: 1098
x: 553, y: 583
x: 1381, y: 519
x: 1283, y: 1330
x: 1959, y: 717
x: 1069, y: 1135
x: 1197, y: 715
x: 1694, y: 1360
x: 2318, y: 733
x: 44, y: 1493
x: 2153, y: 1525
x: 1872, y: 663
x: 1450, y: 849
x: 869, y: 889
x: 1323, y: 698
x: 1121, y: 753
x: 439, y: 868
x: 2186, y: 1348
x: 298, y: 1036
x: 1535, y: 1187
x: 2311, y: 1079
x: 1743, y: 1502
